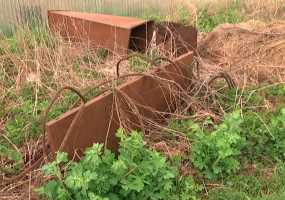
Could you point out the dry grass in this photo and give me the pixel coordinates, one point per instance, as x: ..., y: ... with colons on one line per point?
x: 48, y: 64
x: 32, y: 68
x: 268, y: 10
x: 253, y: 53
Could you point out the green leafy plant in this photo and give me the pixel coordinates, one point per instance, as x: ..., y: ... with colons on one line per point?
x: 264, y: 136
x: 207, y: 22
x: 137, y: 173
x: 216, y: 153
x: 256, y: 133
x: 16, y: 160
x: 24, y: 123
x: 276, y: 144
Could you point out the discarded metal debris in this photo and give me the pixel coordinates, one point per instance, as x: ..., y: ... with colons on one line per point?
x: 223, y: 75
x: 145, y: 96
x: 141, y: 100
x: 116, y: 33
x: 121, y: 34
x: 99, y: 119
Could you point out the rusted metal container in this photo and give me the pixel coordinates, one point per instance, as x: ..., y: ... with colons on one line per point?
x: 101, y: 117
x: 116, y: 33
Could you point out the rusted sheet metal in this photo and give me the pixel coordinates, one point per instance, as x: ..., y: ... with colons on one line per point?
x: 115, y: 33
x: 177, y: 39
x: 100, y: 119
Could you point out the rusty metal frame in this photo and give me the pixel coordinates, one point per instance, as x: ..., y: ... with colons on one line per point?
x: 99, y: 121
x: 115, y: 33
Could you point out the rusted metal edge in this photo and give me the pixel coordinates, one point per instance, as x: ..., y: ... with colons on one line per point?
x: 100, y: 119
x: 112, y: 20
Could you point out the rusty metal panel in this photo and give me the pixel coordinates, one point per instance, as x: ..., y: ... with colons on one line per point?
x: 177, y: 39
x: 115, y: 33
x: 100, y: 119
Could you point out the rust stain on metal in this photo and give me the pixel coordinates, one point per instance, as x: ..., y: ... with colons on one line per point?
x: 100, y: 119
x: 116, y: 33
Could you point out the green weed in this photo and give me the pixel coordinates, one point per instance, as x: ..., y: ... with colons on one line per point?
x: 207, y: 22
x: 7, y: 152
x: 138, y: 64
x: 137, y: 173
x: 216, y: 154
x: 152, y: 14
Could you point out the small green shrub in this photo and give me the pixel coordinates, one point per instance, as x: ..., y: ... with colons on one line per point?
x: 8, y: 153
x: 216, y: 153
x: 276, y: 144
x: 207, y: 22
x: 238, y: 140
x: 264, y: 136
x: 138, y: 64
x: 275, y: 90
x: 137, y: 173
x: 24, y: 123
x: 256, y: 134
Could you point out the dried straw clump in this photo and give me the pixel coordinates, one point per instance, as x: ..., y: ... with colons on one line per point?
x: 251, y: 54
